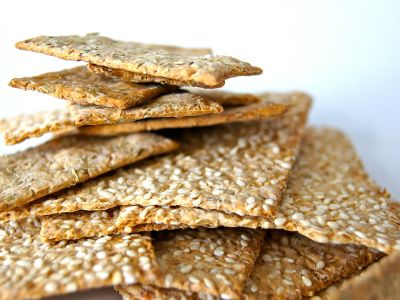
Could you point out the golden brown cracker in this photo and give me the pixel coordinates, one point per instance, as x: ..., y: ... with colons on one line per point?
x: 174, y: 105
x: 80, y: 86
x: 148, y: 64
x: 63, y: 162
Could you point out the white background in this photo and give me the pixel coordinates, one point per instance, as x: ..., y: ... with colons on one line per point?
x: 345, y: 53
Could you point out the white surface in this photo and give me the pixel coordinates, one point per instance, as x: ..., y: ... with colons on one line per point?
x: 345, y: 53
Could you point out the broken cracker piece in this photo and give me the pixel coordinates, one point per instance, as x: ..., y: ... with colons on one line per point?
x: 268, y: 108
x: 175, y: 105
x: 80, y: 86
x: 144, y: 64
x: 31, y: 269
x: 19, y: 128
x: 63, y: 162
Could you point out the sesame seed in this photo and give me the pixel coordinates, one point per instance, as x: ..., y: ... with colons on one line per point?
x: 186, y: 269
x: 307, y: 282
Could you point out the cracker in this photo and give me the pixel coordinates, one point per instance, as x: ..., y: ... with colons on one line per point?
x: 19, y: 128
x: 141, y: 63
x: 378, y: 281
x: 226, y: 98
x: 215, y: 262
x: 289, y: 266
x: 313, y: 204
x: 31, y: 269
x: 63, y: 162
x: 78, y: 85
x: 209, y: 172
x: 175, y: 105
x: 269, y: 107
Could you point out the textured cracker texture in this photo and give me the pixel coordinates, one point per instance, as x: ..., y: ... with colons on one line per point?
x: 289, y: 266
x: 61, y: 163
x: 175, y: 105
x: 19, y: 128
x: 215, y: 262
x: 271, y: 106
x: 379, y: 281
x: 30, y: 269
x: 145, y: 64
x: 80, y: 86
x: 210, y: 171
x: 326, y: 188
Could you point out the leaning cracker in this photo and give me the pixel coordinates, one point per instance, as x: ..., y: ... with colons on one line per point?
x: 175, y: 105
x: 327, y: 165
x: 289, y: 266
x: 143, y: 64
x: 267, y: 108
x: 210, y: 172
x: 19, y: 128
x: 78, y: 85
x: 63, y: 162
x: 31, y: 269
x: 215, y: 262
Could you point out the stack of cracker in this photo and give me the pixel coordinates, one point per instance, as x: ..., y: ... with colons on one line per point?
x: 233, y: 197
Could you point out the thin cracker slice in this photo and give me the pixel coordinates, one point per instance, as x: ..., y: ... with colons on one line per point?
x: 19, y: 128
x: 226, y: 98
x: 31, y: 269
x: 175, y: 105
x: 78, y: 85
x: 63, y: 162
x: 209, y: 172
x: 215, y: 262
x: 289, y: 266
x: 145, y: 64
x: 266, y: 109
x: 313, y: 204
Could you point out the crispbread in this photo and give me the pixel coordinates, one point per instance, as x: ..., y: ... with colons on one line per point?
x: 327, y: 164
x: 78, y: 85
x: 226, y: 157
x: 289, y: 266
x: 268, y: 108
x: 63, y: 162
x: 216, y: 262
x: 175, y: 105
x: 378, y: 281
x: 30, y: 269
x: 19, y: 128
x: 226, y: 98
x: 146, y: 64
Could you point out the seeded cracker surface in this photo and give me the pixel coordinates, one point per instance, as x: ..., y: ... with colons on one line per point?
x: 289, y: 266
x: 216, y: 262
x: 31, y: 269
x: 146, y: 64
x: 80, y: 86
x: 310, y: 204
x: 272, y: 105
x: 19, y: 128
x: 175, y: 105
x: 61, y: 163
x: 210, y: 171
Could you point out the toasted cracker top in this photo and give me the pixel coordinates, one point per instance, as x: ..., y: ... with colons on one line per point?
x: 206, y: 71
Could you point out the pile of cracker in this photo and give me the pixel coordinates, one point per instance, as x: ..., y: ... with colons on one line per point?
x: 157, y: 184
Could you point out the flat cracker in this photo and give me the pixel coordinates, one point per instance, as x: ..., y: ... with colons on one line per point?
x: 378, y: 281
x: 215, y: 262
x: 19, y: 128
x: 175, y: 105
x: 266, y: 109
x: 63, y: 162
x: 144, y: 64
x: 209, y: 172
x: 313, y: 204
x: 31, y: 269
x: 80, y: 86
x: 289, y: 266
x: 226, y: 98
